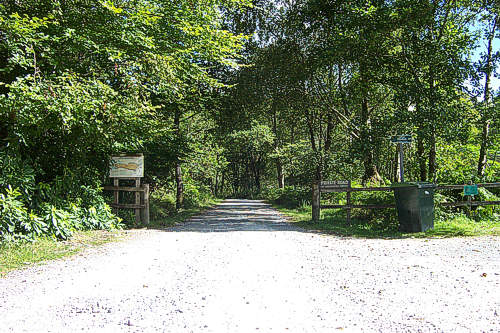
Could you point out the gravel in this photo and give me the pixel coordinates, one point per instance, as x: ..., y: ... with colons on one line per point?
x: 241, y: 268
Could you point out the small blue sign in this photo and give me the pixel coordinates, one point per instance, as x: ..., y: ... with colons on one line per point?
x: 405, y: 138
x: 470, y: 190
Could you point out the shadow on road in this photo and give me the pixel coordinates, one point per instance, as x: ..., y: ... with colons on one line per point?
x: 237, y: 215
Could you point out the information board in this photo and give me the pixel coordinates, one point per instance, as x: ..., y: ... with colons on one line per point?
x: 127, y: 166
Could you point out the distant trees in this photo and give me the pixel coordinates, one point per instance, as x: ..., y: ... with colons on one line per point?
x: 342, y: 76
x: 322, y: 87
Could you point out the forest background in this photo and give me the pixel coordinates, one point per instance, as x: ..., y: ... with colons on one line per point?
x: 240, y: 98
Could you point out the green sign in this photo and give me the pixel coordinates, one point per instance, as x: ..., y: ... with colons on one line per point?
x: 470, y: 190
x: 405, y: 138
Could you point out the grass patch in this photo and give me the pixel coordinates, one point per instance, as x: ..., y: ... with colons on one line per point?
x: 181, y: 215
x: 21, y: 254
x: 334, y: 221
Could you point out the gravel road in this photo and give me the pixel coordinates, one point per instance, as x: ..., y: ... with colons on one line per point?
x: 241, y: 268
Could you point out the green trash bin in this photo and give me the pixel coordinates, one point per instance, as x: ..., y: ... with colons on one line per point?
x: 415, y: 205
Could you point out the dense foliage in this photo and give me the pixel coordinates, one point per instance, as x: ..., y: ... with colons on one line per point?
x: 83, y: 79
x: 333, y: 80
x: 237, y: 98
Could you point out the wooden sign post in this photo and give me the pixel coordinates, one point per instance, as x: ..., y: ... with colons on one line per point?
x: 130, y: 167
x: 400, y: 140
x: 330, y: 186
x: 470, y: 191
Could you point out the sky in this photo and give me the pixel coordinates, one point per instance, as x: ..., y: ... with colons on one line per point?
x: 495, y: 81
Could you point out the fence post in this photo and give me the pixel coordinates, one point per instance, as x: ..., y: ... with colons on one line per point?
x: 316, y: 197
x: 348, y: 212
x: 145, y: 211
x: 468, y: 209
x: 137, y: 201
x: 116, y: 194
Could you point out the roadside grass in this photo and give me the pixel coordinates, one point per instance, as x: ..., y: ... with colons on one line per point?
x: 22, y: 254
x: 334, y: 221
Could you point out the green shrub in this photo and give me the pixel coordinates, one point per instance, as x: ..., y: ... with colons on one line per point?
x: 196, y: 195
x: 18, y: 222
x: 163, y: 198
x: 478, y: 213
x: 58, y: 221
x: 15, y: 220
x: 289, y: 196
x: 162, y: 202
x: 18, y: 174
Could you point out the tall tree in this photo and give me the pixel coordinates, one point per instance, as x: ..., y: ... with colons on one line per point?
x: 487, y: 66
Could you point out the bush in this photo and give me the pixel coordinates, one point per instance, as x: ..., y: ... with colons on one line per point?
x: 478, y: 213
x: 289, y: 196
x: 18, y: 222
x: 15, y: 220
x: 18, y: 174
x: 163, y: 198
x: 196, y: 195
x: 162, y: 203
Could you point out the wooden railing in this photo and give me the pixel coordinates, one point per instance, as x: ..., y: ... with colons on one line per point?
x: 345, y: 186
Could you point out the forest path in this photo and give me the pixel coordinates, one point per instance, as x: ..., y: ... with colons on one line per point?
x: 241, y: 268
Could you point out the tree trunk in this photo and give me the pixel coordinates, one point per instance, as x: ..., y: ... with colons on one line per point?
x: 370, y: 169
x: 281, y: 176
x: 432, y: 155
x: 432, y: 137
x: 180, y: 188
x: 485, y: 119
x: 279, y: 167
x: 216, y: 186
x: 179, y: 198
x: 329, y: 128
x: 421, y: 155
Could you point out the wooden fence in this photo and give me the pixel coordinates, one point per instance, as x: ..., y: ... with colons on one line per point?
x: 141, y: 205
x: 345, y: 186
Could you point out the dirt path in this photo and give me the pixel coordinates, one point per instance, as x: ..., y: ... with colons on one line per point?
x: 241, y: 268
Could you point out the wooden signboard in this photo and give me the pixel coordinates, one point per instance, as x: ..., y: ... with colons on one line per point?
x: 330, y: 186
x: 127, y: 166
x: 334, y: 185
x: 130, y: 167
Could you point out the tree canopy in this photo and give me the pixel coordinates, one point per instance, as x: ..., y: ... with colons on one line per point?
x: 239, y: 97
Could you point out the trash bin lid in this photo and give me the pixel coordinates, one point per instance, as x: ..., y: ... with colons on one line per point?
x: 425, y: 185
x: 405, y: 184
x: 414, y: 184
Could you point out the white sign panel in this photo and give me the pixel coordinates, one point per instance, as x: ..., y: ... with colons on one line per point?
x: 127, y: 166
x: 335, y: 183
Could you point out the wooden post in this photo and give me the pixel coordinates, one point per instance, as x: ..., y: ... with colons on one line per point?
x: 316, y: 198
x: 469, y: 205
x: 348, y: 212
x: 137, y: 200
x: 145, y: 210
x: 116, y: 194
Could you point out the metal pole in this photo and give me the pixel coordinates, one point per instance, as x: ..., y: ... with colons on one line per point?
x: 401, y: 161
